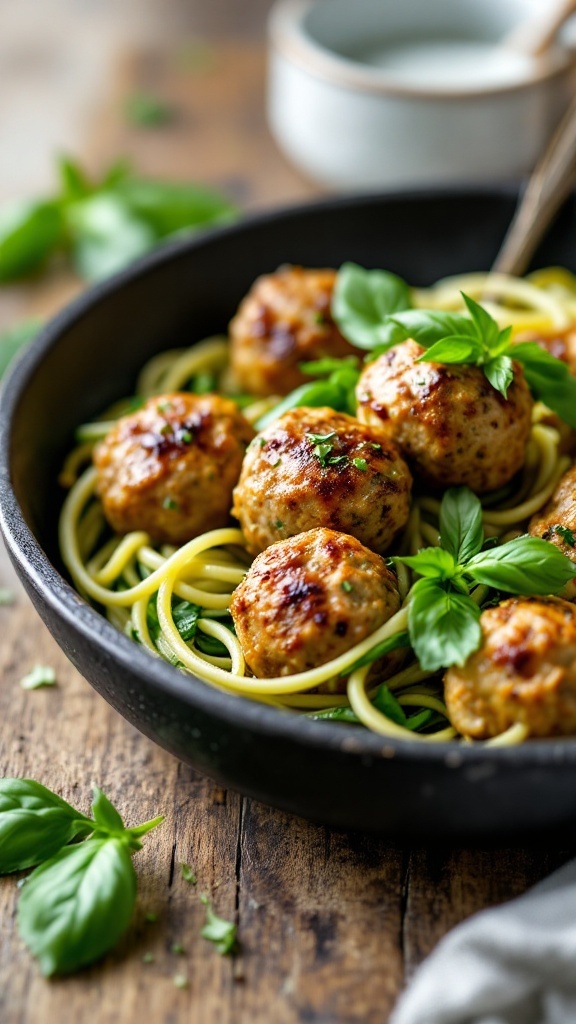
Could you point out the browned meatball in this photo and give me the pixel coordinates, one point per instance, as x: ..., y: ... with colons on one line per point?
x: 452, y: 426
x: 170, y: 468
x: 317, y: 467
x: 308, y: 599
x: 556, y: 522
x: 525, y: 671
x: 284, y: 320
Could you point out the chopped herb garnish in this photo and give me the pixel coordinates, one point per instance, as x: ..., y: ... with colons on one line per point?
x: 275, y: 464
x: 40, y: 675
x: 165, y: 429
x: 148, y: 958
x: 320, y: 438
x: 186, y: 436
x: 347, y: 586
x: 260, y: 440
x: 319, y: 317
x: 375, y: 446
x: 169, y: 503
x: 360, y: 464
x: 164, y: 407
x: 222, y: 933
x: 562, y: 531
x: 279, y: 524
x: 187, y: 874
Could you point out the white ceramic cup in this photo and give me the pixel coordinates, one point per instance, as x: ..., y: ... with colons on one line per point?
x: 382, y: 94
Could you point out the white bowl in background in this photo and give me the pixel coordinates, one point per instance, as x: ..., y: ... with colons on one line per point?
x: 377, y: 94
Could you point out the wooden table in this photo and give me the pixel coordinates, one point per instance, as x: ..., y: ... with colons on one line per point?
x: 331, y: 925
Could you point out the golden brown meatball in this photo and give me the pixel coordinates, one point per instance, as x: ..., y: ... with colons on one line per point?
x: 449, y: 422
x: 317, y: 467
x: 284, y: 320
x: 525, y: 671
x: 309, y: 599
x: 556, y: 522
x: 170, y: 468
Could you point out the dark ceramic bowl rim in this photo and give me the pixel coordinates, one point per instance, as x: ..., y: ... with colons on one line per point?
x: 61, y: 596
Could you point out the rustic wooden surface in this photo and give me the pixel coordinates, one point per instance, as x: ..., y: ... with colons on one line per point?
x: 331, y: 925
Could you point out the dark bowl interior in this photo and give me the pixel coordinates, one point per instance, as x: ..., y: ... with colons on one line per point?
x: 90, y: 355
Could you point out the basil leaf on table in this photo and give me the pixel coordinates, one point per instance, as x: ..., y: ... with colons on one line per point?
x: 527, y: 565
x: 105, y: 814
x: 169, y: 207
x: 107, y: 236
x: 362, y: 302
x: 444, y: 625
x: 34, y: 824
x: 222, y: 933
x: 461, y: 529
x: 29, y: 232
x: 76, y: 906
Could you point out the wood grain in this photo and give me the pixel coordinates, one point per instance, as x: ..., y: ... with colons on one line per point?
x: 330, y: 924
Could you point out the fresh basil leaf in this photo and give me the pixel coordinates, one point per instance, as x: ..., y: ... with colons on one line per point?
x: 222, y: 933
x: 147, y: 111
x: 340, y: 714
x: 526, y: 565
x: 12, y: 340
x: 461, y: 530
x: 500, y: 373
x: 186, y: 617
x: 434, y: 563
x: 429, y: 326
x: 107, y: 236
x: 487, y: 329
x: 105, y: 814
x: 169, y: 207
x: 328, y: 365
x: 314, y: 395
x: 34, y: 824
x: 363, y: 300
x: 392, y: 643
x: 454, y: 349
x: 549, y: 379
x: 38, y: 676
x: 73, y: 181
x: 444, y: 626
x: 75, y: 907
x: 386, y: 703
x: 29, y: 233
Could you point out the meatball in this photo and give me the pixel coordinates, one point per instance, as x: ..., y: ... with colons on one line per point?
x: 170, y: 467
x: 452, y: 426
x: 525, y: 671
x: 308, y: 599
x: 284, y: 320
x: 317, y: 467
x: 556, y: 522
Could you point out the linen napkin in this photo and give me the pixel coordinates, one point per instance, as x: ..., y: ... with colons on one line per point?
x: 514, y: 964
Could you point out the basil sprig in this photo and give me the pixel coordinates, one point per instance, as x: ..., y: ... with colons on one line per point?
x: 102, y: 225
x: 75, y: 906
x: 443, y: 619
x: 336, y: 389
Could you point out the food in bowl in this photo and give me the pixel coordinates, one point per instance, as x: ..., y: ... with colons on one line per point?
x: 362, y: 640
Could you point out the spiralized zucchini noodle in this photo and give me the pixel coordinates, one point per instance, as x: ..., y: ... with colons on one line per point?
x: 127, y: 576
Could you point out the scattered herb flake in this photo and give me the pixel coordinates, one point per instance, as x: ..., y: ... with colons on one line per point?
x: 187, y: 874
x: 346, y: 586
x: 360, y: 464
x: 40, y: 675
x: 275, y: 464
x: 566, y: 534
x: 222, y: 933
x: 279, y: 524
x: 170, y: 504
x: 186, y: 436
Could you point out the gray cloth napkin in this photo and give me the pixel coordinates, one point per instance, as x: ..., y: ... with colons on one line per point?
x: 515, y: 964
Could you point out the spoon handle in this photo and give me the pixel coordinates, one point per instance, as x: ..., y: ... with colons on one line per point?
x: 549, y: 185
x: 535, y: 36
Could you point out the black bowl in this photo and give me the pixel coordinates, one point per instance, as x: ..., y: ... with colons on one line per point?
x: 90, y: 355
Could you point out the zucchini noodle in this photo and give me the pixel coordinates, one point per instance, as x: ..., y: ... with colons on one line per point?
x: 139, y: 585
